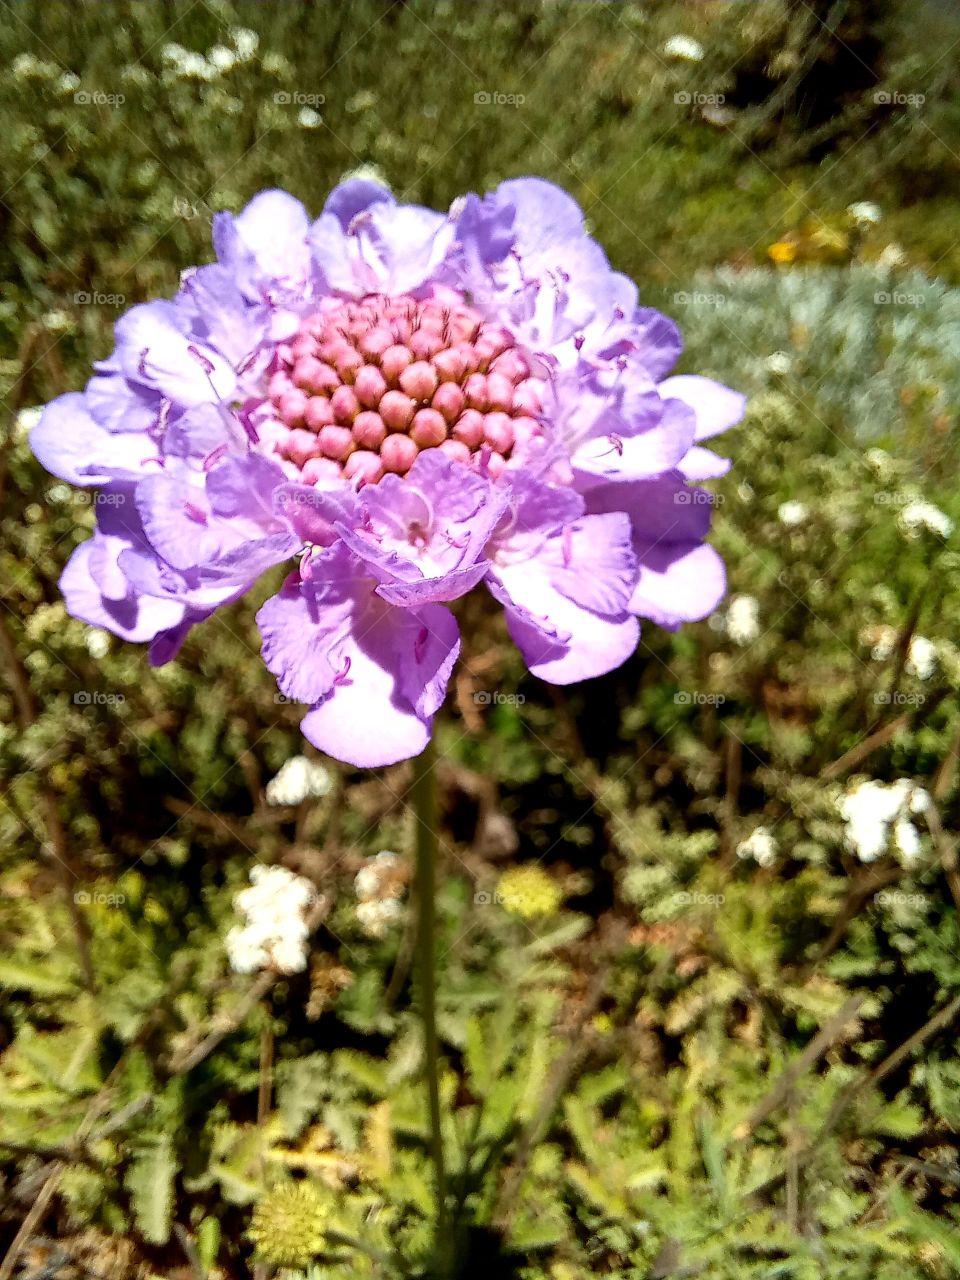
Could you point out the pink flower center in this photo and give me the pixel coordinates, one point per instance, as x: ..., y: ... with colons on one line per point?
x: 365, y: 386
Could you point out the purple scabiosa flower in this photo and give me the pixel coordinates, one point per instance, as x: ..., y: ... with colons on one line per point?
x: 405, y: 406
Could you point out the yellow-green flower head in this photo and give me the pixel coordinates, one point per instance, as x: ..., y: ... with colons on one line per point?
x: 529, y: 892
x: 289, y: 1224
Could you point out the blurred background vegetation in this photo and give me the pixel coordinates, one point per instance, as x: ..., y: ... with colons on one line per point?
x: 702, y: 1037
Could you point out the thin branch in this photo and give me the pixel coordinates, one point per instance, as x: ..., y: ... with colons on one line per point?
x: 783, y: 1087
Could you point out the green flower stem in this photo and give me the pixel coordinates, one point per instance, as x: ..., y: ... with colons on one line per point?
x: 425, y: 809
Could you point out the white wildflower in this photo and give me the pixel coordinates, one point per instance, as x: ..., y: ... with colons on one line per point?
x: 274, y: 930
x: 864, y: 213
x: 921, y: 658
x: 68, y: 83
x: 307, y: 118
x: 97, y: 642
x: 222, y: 58
x: 382, y: 877
x: 58, y: 321
x: 878, y: 460
x: 780, y: 363
x: 883, y: 641
x: 299, y: 779
x: 27, y: 419
x: 26, y: 67
x: 685, y: 48
x: 376, y: 917
x: 760, y: 845
x: 743, y: 620
x: 919, y: 515
x: 875, y: 812
x: 892, y: 256
x: 379, y: 886
x: 246, y: 43
x: 791, y: 513
x: 275, y: 64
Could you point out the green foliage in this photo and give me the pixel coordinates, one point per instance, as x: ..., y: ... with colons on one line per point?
x: 624, y: 1080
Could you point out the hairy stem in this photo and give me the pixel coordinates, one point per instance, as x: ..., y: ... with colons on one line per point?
x: 425, y: 809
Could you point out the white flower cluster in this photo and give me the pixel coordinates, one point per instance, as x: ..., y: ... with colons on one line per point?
x: 379, y: 887
x: 921, y: 658
x: 742, y: 620
x: 187, y: 64
x: 26, y: 420
x: 27, y: 67
x: 274, y: 932
x: 879, y: 462
x: 685, y: 48
x: 760, y: 846
x: 791, y: 513
x: 917, y: 516
x: 97, y: 642
x: 299, y: 779
x: 922, y: 655
x: 875, y: 811
x: 864, y: 213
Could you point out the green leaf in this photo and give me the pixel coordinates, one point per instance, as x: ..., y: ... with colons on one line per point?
x: 150, y: 1180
